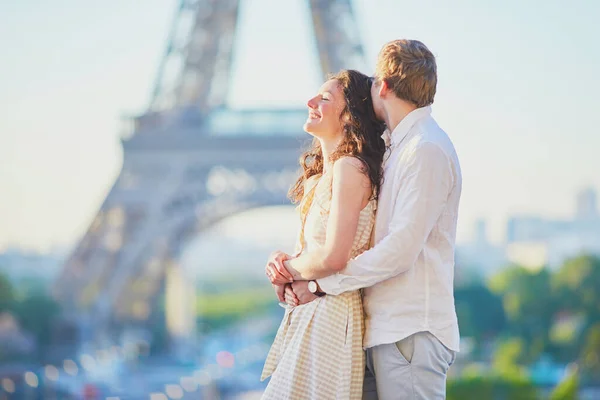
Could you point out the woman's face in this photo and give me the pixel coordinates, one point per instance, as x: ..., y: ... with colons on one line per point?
x: 324, y: 112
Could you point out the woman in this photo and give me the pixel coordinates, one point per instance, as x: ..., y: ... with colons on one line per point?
x: 317, y: 353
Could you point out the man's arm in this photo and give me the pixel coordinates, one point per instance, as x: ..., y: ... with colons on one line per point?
x: 351, y: 189
x: 424, y: 186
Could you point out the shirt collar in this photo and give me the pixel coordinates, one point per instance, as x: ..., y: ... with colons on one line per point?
x: 400, y: 132
x: 387, y: 137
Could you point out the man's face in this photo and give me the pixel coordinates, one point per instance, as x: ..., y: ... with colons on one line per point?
x: 377, y: 101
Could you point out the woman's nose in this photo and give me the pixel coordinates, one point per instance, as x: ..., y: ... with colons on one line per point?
x: 312, y: 103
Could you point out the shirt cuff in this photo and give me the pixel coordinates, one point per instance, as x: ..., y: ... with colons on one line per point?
x: 330, y: 284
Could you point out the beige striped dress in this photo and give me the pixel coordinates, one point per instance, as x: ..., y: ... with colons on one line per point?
x: 317, y: 353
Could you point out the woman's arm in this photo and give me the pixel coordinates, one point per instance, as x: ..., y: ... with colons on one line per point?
x: 351, y: 191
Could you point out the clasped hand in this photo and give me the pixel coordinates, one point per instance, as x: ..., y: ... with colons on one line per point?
x: 276, y: 271
x: 289, y: 291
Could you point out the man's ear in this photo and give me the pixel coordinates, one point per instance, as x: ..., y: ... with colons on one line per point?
x: 383, y: 89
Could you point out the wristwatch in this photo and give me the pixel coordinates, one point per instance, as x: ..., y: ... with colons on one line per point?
x: 313, y: 287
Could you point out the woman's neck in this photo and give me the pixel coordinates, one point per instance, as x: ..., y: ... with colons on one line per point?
x: 328, y: 147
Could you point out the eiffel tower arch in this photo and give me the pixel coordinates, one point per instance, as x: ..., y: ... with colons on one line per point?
x: 189, y: 162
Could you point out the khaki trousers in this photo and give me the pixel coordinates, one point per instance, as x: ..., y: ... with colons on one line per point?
x: 414, y: 368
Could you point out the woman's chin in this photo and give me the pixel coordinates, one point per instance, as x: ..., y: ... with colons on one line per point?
x: 309, y: 128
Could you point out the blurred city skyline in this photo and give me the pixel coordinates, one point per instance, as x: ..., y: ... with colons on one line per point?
x: 517, y: 90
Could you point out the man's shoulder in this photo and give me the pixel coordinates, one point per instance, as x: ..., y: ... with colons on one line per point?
x: 428, y: 130
x: 430, y: 143
x: 429, y: 134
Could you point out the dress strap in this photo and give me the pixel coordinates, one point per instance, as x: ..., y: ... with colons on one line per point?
x: 304, y: 209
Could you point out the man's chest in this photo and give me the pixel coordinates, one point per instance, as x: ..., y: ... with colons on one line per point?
x: 389, y: 186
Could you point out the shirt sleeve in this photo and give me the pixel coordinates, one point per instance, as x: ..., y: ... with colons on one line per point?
x: 423, y: 186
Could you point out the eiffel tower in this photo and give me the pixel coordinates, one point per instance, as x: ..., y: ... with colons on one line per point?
x: 189, y: 162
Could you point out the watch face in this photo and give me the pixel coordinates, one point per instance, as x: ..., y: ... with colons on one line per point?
x: 312, y: 286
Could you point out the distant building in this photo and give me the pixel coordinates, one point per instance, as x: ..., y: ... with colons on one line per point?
x: 480, y: 257
x: 587, y: 205
x: 534, y: 241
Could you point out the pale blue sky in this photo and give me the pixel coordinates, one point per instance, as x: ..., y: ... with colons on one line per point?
x: 518, y: 94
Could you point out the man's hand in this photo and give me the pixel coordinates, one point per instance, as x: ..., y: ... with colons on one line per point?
x: 280, y: 291
x: 275, y: 270
x: 297, y: 293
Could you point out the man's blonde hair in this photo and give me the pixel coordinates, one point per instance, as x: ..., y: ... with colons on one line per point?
x: 409, y: 70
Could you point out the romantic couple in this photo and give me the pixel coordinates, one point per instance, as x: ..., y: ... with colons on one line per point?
x: 378, y: 200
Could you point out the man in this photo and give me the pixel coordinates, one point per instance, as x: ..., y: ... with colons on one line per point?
x: 412, y: 332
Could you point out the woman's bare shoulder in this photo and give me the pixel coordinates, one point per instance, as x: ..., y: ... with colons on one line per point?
x: 350, y: 171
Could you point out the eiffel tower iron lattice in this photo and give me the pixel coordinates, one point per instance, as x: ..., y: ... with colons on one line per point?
x: 190, y: 162
x: 201, y: 41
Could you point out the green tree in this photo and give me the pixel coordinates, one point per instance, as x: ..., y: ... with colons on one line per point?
x: 568, y: 388
x: 480, y: 312
x: 590, y: 353
x: 529, y: 306
x: 37, y: 315
x: 575, y: 286
x: 7, y: 294
x: 577, y: 283
x: 491, y: 387
x: 508, y: 357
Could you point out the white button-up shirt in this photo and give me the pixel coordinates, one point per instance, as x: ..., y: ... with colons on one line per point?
x: 408, y: 274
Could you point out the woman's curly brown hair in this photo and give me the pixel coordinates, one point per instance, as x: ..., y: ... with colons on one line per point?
x: 362, y: 135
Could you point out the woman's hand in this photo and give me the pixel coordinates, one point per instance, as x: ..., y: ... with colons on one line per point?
x: 275, y: 270
x: 289, y: 296
x: 297, y: 294
x: 280, y: 292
